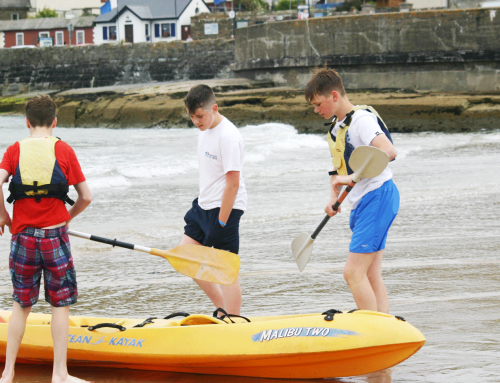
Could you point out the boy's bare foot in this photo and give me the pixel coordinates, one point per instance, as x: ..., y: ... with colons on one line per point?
x: 69, y: 379
x: 7, y: 378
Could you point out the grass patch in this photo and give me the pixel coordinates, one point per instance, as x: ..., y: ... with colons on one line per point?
x: 12, y: 100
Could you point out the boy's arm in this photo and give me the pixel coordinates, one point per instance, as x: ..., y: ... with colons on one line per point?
x: 383, y: 143
x: 229, y: 196
x: 4, y: 215
x: 335, y: 188
x: 83, y: 200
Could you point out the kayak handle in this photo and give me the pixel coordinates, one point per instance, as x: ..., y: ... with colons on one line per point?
x: 177, y: 314
x: 111, y: 325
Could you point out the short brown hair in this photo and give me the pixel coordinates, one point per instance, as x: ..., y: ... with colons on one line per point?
x: 200, y: 96
x: 40, y: 111
x: 323, y: 82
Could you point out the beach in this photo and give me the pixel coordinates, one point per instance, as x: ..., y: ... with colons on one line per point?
x: 441, y: 264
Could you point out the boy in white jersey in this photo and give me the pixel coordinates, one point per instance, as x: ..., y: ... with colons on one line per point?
x: 214, y: 218
x: 375, y: 201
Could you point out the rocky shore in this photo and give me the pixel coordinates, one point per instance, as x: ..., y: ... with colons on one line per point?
x: 248, y: 102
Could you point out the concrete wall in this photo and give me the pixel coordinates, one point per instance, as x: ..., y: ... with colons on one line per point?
x: 432, y: 50
x: 457, y: 4
x: 419, y: 4
x: 60, y: 68
x: 6, y: 13
x: 226, y: 24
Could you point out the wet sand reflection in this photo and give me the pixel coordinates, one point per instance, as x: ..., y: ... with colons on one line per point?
x: 43, y: 373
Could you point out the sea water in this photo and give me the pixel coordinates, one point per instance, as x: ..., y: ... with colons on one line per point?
x: 441, y: 265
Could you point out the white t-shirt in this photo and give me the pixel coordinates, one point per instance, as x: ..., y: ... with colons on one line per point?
x: 363, y: 129
x: 220, y: 150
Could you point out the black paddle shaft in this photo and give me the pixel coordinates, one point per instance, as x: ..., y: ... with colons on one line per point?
x: 335, y: 207
x: 320, y: 227
x: 112, y: 242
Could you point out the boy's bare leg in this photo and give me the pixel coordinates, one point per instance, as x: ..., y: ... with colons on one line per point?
x: 377, y: 283
x: 17, y: 325
x: 212, y: 290
x: 232, y: 297
x: 60, y: 330
x: 355, y: 273
x: 227, y: 297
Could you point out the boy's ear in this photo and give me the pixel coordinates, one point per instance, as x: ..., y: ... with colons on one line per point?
x: 215, y: 108
x: 335, y: 95
x: 28, y: 125
x: 54, y: 123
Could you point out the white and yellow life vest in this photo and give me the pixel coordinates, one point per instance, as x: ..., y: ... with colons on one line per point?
x: 340, y: 152
x: 38, y: 174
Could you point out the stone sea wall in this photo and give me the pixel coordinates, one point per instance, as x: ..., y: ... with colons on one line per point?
x: 442, y: 50
x: 61, y: 68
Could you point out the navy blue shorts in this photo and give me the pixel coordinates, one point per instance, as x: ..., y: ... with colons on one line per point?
x: 203, y: 226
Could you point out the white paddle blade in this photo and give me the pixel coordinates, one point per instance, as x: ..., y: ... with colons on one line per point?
x: 368, y: 161
x: 302, y: 247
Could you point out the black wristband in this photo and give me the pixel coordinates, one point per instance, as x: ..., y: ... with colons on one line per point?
x: 333, y: 173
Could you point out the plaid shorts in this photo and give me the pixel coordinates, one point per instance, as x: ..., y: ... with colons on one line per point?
x: 34, y: 250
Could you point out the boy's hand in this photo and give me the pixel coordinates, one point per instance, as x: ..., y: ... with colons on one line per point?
x: 329, y: 208
x: 338, y: 181
x: 4, y: 215
x: 5, y: 221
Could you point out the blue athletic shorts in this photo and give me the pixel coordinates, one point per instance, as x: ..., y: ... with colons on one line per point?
x: 372, y: 218
x: 203, y: 226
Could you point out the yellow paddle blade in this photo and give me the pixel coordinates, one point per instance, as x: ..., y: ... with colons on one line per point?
x: 203, y: 263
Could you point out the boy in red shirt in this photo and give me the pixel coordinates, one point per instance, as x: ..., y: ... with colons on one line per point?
x: 42, y: 169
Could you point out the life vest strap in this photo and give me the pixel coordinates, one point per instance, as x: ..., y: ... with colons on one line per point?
x: 61, y: 188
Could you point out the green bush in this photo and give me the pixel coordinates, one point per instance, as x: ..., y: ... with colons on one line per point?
x: 347, y: 5
x: 45, y: 12
x: 253, y: 5
x: 284, y: 5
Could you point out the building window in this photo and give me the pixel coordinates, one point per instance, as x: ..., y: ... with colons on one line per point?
x: 212, y: 29
x: 19, y: 38
x: 112, y: 32
x: 43, y: 35
x: 147, y: 30
x: 14, y: 16
x: 59, y: 38
x: 167, y: 30
x: 80, y: 37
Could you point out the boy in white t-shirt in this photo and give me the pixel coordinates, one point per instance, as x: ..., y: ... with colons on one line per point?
x: 375, y: 201
x: 214, y: 218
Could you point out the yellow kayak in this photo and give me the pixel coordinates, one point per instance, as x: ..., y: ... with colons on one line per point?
x: 303, y: 346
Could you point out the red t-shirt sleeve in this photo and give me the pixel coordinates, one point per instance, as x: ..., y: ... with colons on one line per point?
x: 69, y: 164
x: 10, y: 158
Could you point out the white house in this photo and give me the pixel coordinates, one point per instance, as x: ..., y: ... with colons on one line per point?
x: 137, y: 21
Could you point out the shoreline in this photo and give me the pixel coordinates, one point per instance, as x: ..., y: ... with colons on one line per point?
x: 247, y: 102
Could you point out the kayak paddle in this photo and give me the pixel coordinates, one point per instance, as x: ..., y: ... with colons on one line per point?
x: 198, y: 262
x: 367, y: 162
